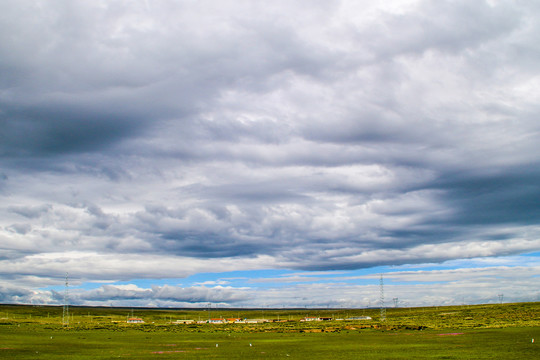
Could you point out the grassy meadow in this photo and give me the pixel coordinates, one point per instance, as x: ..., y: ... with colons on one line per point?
x: 458, y: 332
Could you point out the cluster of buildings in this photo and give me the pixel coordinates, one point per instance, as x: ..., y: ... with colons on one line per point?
x: 312, y: 318
x: 134, y: 320
x: 223, y: 321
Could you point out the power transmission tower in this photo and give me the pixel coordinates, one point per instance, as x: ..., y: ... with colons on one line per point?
x: 501, y: 296
x: 395, y: 302
x: 383, y: 308
x: 65, y: 310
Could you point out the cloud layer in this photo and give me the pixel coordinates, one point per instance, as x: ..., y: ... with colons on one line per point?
x: 160, y: 139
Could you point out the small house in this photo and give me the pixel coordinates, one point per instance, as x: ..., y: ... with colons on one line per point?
x: 134, y: 320
x: 255, y: 321
x: 310, y: 318
x: 359, y: 318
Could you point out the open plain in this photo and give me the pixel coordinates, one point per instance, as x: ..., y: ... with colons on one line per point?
x: 507, y: 331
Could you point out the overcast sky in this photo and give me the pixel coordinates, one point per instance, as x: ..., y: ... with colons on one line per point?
x: 269, y: 153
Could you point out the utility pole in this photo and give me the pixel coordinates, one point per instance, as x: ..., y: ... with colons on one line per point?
x: 65, y: 310
x: 383, y: 308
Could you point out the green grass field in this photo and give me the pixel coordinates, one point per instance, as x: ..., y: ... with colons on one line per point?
x: 474, y: 332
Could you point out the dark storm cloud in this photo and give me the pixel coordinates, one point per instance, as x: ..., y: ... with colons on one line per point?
x: 208, y: 245
x: 43, y: 132
x: 503, y: 196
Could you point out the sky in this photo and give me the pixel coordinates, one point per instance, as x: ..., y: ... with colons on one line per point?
x: 269, y: 153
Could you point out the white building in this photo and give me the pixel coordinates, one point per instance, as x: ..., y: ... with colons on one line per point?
x: 135, y: 321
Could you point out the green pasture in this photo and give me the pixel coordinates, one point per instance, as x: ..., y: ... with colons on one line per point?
x: 474, y: 332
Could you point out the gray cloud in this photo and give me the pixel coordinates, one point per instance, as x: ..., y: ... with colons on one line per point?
x: 165, y: 293
x: 14, y: 294
x: 30, y: 211
x: 20, y: 228
x: 335, y: 135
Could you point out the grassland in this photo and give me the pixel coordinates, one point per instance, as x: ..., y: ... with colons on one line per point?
x: 460, y: 332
